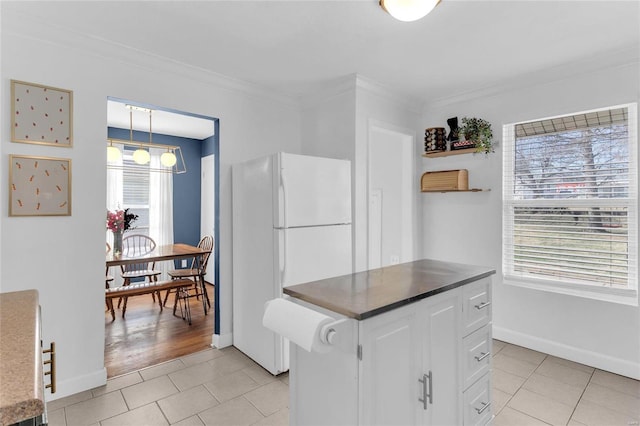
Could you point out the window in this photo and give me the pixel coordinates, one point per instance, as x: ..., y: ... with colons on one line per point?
x: 570, y: 204
x: 135, y: 192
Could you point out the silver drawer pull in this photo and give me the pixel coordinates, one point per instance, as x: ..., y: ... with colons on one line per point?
x: 482, y: 305
x: 427, y: 395
x: 485, y: 405
x: 423, y: 381
x: 482, y: 356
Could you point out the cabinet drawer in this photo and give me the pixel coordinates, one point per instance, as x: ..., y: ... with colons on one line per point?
x: 477, y: 402
x: 476, y: 355
x: 476, y: 298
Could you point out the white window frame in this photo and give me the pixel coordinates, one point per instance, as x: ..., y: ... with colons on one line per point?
x: 627, y: 296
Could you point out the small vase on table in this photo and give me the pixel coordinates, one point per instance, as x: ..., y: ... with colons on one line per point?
x: 117, y: 242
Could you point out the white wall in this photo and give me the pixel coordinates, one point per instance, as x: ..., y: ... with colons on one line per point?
x: 63, y: 257
x: 337, y: 124
x: 466, y: 227
x: 377, y: 108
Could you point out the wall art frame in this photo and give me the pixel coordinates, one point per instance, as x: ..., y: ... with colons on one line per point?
x: 39, y: 186
x: 41, y: 114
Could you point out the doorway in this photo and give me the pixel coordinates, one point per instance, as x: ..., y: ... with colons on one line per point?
x: 148, y: 336
x: 391, y: 195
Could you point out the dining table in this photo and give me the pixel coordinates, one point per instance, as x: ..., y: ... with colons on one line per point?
x: 162, y: 253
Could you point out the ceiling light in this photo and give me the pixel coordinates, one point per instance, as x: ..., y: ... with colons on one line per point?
x: 168, y: 159
x: 113, y: 153
x: 408, y: 10
x: 141, y: 156
x: 171, y: 161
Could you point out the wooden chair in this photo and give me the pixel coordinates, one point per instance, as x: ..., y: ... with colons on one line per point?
x: 139, y: 245
x: 108, y: 278
x: 197, y: 270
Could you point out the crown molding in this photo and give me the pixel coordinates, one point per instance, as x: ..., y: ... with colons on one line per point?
x: 367, y: 84
x: 329, y: 90
x: 353, y: 83
x: 37, y: 29
x: 624, y: 57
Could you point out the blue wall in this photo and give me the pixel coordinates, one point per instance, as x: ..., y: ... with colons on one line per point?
x: 186, y: 186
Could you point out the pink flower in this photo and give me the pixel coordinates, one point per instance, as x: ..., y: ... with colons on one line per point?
x: 120, y: 220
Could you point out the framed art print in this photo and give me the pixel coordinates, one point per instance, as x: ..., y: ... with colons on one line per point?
x: 39, y: 186
x: 41, y: 114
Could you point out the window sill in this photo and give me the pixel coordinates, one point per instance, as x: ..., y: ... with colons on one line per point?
x: 603, y: 294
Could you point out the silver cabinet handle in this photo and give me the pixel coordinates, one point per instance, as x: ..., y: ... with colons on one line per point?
x: 482, y: 356
x: 482, y: 305
x: 430, y: 394
x: 485, y: 405
x: 423, y: 381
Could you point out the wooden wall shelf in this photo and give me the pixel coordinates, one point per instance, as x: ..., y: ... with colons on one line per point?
x: 457, y: 190
x: 448, y: 153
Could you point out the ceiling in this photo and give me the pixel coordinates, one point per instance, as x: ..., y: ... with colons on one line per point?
x: 296, y: 48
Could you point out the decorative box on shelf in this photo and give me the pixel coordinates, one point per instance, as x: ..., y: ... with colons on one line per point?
x: 446, y: 180
x: 462, y: 144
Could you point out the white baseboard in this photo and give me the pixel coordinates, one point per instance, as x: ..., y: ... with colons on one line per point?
x: 561, y: 350
x: 78, y: 384
x: 222, y: 340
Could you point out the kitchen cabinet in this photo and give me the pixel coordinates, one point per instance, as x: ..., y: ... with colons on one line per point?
x: 414, y: 348
x: 409, y: 371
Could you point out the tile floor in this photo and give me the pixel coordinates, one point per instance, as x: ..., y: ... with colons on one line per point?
x: 224, y: 387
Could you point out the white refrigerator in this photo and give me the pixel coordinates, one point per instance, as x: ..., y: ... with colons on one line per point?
x: 291, y: 225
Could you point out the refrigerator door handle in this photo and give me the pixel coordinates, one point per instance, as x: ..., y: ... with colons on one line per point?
x: 283, y: 192
x: 283, y: 257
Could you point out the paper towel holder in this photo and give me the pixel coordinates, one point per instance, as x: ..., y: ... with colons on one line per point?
x: 329, y: 331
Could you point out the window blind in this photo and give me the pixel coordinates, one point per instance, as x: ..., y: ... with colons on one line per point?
x: 136, y: 191
x: 570, y: 199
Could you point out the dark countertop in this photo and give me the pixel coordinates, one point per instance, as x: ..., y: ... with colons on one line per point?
x: 365, y: 294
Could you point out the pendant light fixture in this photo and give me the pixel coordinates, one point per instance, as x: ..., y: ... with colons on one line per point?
x: 408, y: 10
x: 140, y: 155
x: 113, y: 153
x: 168, y: 159
x: 171, y: 161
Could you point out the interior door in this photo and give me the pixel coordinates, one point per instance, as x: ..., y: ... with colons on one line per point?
x: 313, y: 191
x: 207, y: 199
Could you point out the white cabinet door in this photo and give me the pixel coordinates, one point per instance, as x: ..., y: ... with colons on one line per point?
x: 440, y: 318
x: 408, y: 355
x: 389, y: 370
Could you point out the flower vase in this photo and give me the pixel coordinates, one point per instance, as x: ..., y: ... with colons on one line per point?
x: 117, y: 242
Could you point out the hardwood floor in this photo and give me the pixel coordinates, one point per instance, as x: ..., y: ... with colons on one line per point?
x: 147, y: 336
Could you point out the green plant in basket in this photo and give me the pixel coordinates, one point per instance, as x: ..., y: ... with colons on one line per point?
x: 478, y: 131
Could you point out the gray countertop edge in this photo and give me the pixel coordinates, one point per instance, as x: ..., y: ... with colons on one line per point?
x: 382, y: 309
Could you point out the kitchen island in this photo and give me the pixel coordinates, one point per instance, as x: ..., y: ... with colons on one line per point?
x: 413, y: 347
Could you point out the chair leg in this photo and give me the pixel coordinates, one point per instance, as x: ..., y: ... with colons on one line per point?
x: 126, y: 281
x: 166, y: 296
x: 182, y: 295
x: 124, y: 305
x: 110, y: 306
x: 159, y: 299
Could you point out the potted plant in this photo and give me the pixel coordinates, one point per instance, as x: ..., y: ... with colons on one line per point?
x: 478, y: 131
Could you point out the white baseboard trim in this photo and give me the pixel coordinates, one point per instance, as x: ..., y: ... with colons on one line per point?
x: 561, y: 350
x: 78, y: 384
x: 222, y: 340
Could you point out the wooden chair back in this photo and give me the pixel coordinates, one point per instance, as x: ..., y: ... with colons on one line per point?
x: 137, y: 245
x: 206, y: 243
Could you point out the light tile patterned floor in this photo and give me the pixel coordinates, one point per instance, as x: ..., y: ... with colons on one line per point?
x: 224, y: 387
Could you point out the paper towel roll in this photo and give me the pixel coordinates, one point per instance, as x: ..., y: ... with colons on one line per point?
x: 298, y: 324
